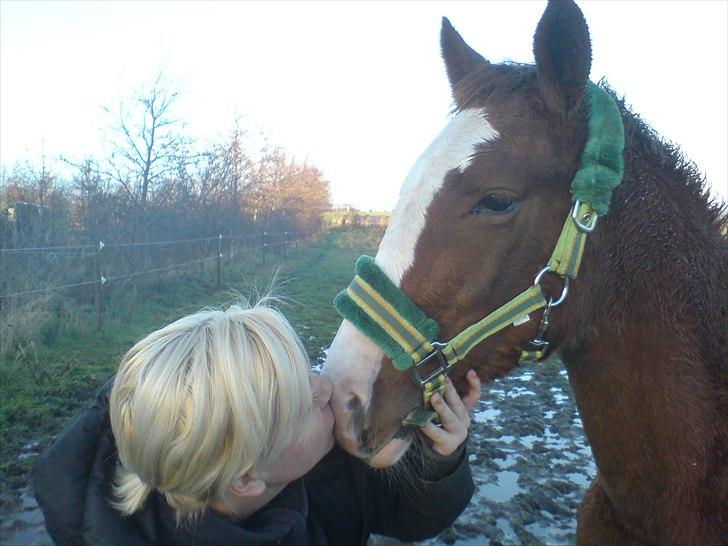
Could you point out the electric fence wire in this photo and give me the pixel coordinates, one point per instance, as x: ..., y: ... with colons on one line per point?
x: 118, y: 277
x: 130, y: 244
x: 105, y: 279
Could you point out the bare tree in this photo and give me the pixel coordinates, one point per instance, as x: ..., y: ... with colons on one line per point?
x: 147, y: 142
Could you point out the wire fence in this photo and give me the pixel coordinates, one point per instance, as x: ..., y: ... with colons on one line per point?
x: 103, y: 263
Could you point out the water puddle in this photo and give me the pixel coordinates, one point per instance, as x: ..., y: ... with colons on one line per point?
x: 484, y: 416
x: 558, y: 395
x: 520, y: 391
x: 508, y: 461
x: 548, y: 533
x: 510, y: 534
x: 527, y: 441
x: 505, y: 489
x: 579, y: 479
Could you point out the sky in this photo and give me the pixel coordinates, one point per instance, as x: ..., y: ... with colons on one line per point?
x: 356, y: 88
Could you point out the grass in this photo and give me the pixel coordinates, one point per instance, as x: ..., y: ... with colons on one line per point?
x: 45, y: 381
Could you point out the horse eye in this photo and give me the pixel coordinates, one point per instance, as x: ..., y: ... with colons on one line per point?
x: 495, y: 203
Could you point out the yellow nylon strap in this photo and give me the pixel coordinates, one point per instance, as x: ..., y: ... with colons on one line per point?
x: 531, y: 356
x: 523, y: 304
x: 424, y: 414
x: 566, y: 257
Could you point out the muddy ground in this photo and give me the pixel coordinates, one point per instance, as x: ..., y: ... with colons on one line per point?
x: 530, y: 462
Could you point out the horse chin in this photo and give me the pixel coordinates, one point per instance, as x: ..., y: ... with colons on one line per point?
x: 390, y: 453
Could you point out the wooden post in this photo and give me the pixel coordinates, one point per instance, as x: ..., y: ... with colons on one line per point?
x: 219, y: 260
x: 97, y: 287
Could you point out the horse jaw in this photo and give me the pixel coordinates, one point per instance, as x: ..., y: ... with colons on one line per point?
x: 354, y: 361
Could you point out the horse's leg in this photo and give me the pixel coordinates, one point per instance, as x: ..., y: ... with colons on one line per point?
x: 596, y: 523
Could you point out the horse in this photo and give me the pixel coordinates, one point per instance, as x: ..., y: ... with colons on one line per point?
x: 642, y: 332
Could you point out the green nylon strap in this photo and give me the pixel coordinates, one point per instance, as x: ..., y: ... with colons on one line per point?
x: 531, y: 356
x: 419, y: 417
x: 566, y: 257
x: 523, y: 304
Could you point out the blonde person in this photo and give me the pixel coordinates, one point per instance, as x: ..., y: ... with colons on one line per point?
x: 215, y: 432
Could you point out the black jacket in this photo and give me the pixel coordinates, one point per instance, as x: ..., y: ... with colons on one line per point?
x: 339, y: 502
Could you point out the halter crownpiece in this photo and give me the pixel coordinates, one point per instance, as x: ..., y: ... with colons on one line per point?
x: 382, y: 312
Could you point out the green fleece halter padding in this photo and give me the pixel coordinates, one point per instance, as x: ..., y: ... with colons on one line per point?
x: 382, y: 312
x: 602, y: 165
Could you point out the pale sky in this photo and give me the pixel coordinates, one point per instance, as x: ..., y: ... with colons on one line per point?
x: 356, y: 88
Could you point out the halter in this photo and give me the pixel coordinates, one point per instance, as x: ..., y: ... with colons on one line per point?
x: 381, y: 311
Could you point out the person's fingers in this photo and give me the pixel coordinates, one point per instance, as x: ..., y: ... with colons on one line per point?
x: 452, y: 398
x: 442, y: 441
x: 474, y: 390
x: 434, y: 433
x: 449, y: 420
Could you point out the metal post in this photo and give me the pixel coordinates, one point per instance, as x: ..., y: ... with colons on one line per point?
x: 97, y: 287
x: 219, y: 260
x: 265, y: 245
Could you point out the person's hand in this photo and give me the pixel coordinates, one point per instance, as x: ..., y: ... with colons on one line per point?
x: 454, y: 417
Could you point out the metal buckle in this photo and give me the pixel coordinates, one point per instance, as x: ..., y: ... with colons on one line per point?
x: 575, y: 216
x: 538, y: 343
x: 435, y: 355
x: 534, y: 345
x: 564, y: 292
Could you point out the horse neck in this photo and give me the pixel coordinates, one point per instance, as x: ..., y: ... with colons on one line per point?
x: 644, y: 339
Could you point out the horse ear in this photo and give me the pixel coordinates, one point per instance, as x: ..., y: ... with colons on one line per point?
x: 562, y: 49
x: 460, y: 59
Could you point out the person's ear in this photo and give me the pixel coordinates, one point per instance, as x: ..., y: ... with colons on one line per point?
x: 247, y: 486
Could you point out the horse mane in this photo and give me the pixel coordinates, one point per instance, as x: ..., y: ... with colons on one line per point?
x: 667, y: 155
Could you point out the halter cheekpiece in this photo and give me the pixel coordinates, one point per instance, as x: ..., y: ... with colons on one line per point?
x: 381, y: 311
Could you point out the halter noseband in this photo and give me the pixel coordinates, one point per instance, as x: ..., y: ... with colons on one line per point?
x: 381, y: 311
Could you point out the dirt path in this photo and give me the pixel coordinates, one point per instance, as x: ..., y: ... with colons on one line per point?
x: 529, y: 458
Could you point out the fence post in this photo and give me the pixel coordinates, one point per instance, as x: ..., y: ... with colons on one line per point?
x: 295, y: 241
x: 285, y: 243
x: 97, y: 287
x: 265, y: 245
x: 219, y: 260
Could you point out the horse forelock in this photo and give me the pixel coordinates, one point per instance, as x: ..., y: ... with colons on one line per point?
x: 453, y: 149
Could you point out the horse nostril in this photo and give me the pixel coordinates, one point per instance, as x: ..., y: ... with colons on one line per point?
x: 358, y: 414
x: 354, y: 404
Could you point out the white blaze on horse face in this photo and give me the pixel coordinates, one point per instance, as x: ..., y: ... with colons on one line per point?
x: 354, y: 361
x: 452, y: 149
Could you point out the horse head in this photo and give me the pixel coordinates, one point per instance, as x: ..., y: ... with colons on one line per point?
x: 477, y: 218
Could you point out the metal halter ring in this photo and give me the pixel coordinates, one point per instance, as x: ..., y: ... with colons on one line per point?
x: 575, y: 216
x: 564, y: 292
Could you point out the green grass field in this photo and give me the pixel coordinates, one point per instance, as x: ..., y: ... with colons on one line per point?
x: 44, y: 383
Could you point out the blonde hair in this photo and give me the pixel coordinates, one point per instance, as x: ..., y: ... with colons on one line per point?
x: 203, y: 401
